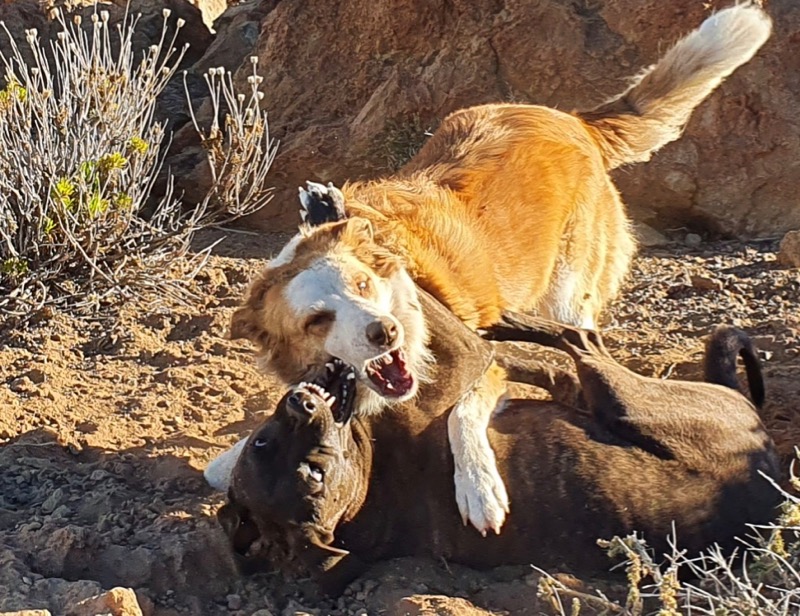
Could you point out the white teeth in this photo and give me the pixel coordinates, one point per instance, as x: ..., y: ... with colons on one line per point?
x: 303, y: 215
x: 388, y: 359
x: 350, y: 376
x: 332, y: 400
x: 330, y: 366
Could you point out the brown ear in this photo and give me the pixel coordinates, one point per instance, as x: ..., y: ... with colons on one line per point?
x: 244, y: 325
x: 318, y: 555
x: 241, y: 530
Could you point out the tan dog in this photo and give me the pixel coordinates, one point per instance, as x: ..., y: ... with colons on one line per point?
x: 505, y: 207
x: 646, y: 454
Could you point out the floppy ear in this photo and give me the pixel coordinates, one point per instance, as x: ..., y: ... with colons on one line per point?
x: 332, y: 568
x: 240, y: 529
x: 243, y: 325
x: 321, y: 204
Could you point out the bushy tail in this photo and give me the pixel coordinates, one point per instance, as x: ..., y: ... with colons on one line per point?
x: 654, y: 110
x: 722, y: 349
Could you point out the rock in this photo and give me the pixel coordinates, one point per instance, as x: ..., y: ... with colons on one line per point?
x: 436, y: 605
x: 234, y: 602
x: 36, y: 376
x: 262, y: 612
x: 692, y: 240
x: 789, y: 251
x: 705, y: 283
x: 647, y: 236
x: 116, y: 602
x: 27, y: 613
x: 293, y: 608
x: 348, y: 105
x: 53, y: 501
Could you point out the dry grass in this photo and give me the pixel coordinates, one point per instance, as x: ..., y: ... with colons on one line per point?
x: 761, y: 579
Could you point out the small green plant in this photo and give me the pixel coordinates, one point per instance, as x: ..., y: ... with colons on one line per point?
x: 81, y: 226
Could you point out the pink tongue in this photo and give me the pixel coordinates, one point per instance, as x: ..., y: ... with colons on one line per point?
x: 396, y: 374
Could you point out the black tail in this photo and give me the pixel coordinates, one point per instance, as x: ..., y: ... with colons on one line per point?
x: 722, y: 349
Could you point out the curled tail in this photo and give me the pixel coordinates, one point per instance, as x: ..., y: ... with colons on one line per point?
x: 722, y: 349
x: 655, y: 109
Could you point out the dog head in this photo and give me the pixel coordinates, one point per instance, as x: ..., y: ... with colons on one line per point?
x: 299, y: 475
x: 333, y: 292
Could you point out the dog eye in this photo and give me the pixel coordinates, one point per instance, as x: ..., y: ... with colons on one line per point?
x: 315, y: 473
x: 318, y: 321
x: 363, y: 286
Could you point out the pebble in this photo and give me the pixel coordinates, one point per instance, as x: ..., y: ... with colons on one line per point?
x: 693, y: 240
x: 234, y: 602
x: 53, y: 501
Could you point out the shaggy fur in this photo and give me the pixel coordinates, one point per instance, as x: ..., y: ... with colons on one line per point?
x: 505, y: 207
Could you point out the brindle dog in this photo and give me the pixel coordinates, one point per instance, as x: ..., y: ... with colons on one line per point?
x: 342, y: 491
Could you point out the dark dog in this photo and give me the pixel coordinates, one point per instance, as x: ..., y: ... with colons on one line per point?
x: 341, y: 491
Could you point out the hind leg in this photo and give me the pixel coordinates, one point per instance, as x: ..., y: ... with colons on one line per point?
x: 480, y: 492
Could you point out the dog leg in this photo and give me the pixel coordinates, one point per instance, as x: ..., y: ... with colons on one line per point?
x: 219, y: 470
x: 480, y: 492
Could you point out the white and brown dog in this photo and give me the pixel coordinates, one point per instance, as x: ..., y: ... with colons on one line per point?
x: 506, y: 207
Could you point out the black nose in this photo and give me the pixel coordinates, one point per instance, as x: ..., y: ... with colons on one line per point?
x: 382, y: 332
x: 300, y: 401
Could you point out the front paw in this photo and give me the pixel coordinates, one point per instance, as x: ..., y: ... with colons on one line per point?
x: 481, y: 496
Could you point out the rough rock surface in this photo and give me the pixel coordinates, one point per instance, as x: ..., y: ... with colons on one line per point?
x: 352, y: 86
x: 789, y: 250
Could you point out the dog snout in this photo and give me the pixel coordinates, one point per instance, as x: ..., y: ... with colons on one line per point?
x: 382, y: 332
x: 302, y: 402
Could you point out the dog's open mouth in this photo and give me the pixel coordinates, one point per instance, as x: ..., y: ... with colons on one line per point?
x: 390, y: 375
x: 337, y: 388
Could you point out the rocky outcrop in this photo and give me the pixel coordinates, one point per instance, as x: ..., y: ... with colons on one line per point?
x: 352, y: 86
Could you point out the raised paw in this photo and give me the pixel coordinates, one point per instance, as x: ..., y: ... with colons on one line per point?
x: 321, y: 204
x: 481, y: 496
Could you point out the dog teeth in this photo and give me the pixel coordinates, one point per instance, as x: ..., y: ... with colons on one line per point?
x: 331, y: 400
x: 388, y: 359
x: 330, y: 366
x: 350, y: 376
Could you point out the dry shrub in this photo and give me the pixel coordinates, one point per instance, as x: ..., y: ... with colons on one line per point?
x: 761, y: 579
x: 81, y: 227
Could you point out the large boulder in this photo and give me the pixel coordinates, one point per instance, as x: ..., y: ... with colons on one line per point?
x: 352, y: 86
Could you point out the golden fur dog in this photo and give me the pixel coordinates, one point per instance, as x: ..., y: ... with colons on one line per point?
x: 505, y: 207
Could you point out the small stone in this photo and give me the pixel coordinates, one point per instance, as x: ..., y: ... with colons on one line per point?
x: 37, y: 376
x: 262, y: 612
x: 692, y: 240
x: 705, y: 283
x: 789, y: 251
x: 234, y: 602
x: 21, y: 385
x: 53, y: 501
x: 61, y: 512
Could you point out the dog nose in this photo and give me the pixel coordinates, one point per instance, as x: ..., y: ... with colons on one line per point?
x: 382, y: 332
x: 302, y: 403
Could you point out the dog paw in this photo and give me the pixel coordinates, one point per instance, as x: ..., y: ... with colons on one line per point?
x: 481, y: 496
x: 321, y: 204
x: 219, y: 470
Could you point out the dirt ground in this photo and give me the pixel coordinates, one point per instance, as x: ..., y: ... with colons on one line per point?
x: 105, y: 428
